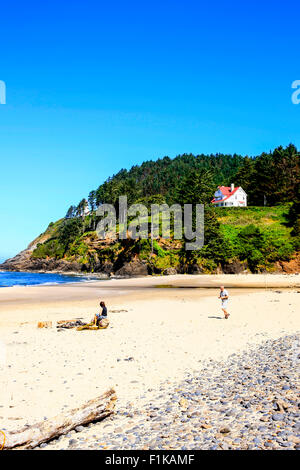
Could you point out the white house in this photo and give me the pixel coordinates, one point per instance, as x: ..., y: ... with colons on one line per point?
x: 229, y: 196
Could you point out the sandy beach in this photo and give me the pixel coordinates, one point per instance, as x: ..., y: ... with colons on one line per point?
x: 161, y: 329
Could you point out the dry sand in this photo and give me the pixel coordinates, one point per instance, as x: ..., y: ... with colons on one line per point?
x: 167, y: 332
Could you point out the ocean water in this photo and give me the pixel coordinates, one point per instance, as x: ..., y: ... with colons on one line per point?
x: 9, y: 279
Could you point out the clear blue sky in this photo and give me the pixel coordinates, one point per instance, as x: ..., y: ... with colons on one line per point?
x: 95, y: 86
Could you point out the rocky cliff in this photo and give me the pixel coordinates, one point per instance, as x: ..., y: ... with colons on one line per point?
x: 256, y: 239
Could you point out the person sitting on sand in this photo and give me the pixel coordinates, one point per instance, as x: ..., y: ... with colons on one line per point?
x: 100, y: 316
x: 224, y: 300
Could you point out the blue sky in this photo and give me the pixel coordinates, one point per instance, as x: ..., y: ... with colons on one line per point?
x: 95, y: 86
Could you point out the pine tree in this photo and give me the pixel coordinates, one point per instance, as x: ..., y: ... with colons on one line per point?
x: 92, y: 200
x: 71, y: 212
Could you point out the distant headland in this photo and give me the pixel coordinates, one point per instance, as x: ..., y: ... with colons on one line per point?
x: 262, y: 237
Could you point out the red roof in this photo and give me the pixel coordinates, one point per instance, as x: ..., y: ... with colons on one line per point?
x: 226, y: 191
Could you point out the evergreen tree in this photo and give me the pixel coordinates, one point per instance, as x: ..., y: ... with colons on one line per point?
x: 92, y: 200
x: 245, y: 177
x: 81, y: 208
x: 71, y: 212
x: 294, y: 218
x: 196, y: 187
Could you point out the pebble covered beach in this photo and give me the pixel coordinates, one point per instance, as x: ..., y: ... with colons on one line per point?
x: 250, y: 401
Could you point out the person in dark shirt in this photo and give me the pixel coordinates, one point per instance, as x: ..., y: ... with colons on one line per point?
x: 99, y: 316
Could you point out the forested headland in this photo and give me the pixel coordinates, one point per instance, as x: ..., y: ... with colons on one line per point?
x: 265, y: 236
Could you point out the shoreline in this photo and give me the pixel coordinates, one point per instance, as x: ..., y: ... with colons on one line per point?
x: 91, y: 273
x: 259, y: 277
x: 106, y: 277
x: 120, y: 290
x: 63, y: 273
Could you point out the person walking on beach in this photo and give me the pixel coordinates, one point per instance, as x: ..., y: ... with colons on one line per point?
x: 224, y: 300
x: 100, y: 316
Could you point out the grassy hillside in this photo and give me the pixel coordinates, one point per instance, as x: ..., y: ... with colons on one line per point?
x: 264, y: 230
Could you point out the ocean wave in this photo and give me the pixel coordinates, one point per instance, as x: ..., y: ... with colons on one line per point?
x: 25, y: 279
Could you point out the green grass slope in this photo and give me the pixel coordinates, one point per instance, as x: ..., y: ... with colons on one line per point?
x: 259, y: 235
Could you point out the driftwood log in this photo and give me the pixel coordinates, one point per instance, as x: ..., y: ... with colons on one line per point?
x: 30, y: 437
x: 61, y: 322
x: 69, y: 324
x: 44, y: 324
x: 91, y: 326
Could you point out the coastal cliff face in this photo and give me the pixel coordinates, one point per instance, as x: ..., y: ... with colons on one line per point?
x: 24, y: 262
x: 136, y: 267
x: 252, y: 239
x: 85, y: 253
x: 28, y: 260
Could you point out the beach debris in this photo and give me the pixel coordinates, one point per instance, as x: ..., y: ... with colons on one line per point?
x: 44, y: 431
x: 67, y: 324
x: 62, y: 322
x: 79, y: 325
x: 44, y: 324
x: 91, y: 326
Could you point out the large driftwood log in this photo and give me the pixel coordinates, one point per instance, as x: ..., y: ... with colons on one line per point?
x: 91, y: 326
x: 30, y: 437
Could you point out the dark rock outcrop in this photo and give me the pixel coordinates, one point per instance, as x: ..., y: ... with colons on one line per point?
x: 21, y: 262
x: 170, y: 271
x: 133, y: 269
x: 195, y: 269
x: 154, y: 269
x: 105, y: 268
x: 235, y: 267
x: 26, y: 263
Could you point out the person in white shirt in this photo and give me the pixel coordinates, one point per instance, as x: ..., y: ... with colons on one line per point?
x: 224, y: 300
